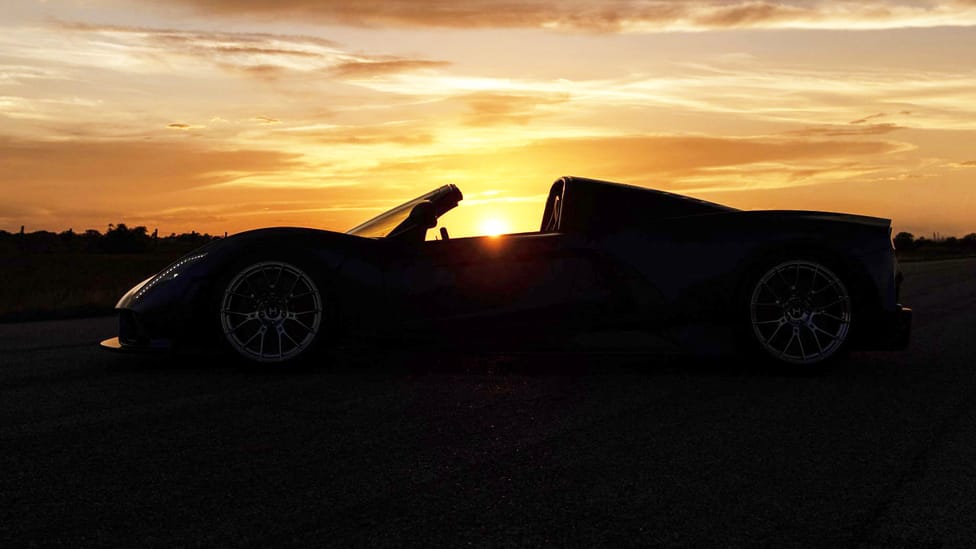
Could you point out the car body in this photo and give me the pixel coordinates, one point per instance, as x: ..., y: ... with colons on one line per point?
x: 794, y: 287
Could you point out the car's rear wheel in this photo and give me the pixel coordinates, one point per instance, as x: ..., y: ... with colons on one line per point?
x: 800, y: 312
x: 271, y: 312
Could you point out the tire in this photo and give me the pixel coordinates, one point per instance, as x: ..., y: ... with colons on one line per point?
x: 798, y: 312
x: 271, y: 312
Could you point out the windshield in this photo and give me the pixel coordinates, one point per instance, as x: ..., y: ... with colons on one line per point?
x: 383, y: 224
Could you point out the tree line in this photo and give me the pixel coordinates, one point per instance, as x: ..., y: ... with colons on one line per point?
x: 119, y: 238
x: 906, y: 241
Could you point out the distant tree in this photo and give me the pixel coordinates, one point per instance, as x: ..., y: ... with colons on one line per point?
x: 969, y: 240
x: 121, y: 239
x: 904, y: 241
x: 68, y: 240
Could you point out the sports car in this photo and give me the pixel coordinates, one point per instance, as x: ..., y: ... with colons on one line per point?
x: 795, y: 288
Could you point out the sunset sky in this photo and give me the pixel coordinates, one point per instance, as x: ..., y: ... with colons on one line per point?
x: 225, y: 115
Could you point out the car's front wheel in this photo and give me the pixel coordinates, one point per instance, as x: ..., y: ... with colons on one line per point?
x: 800, y: 312
x: 271, y: 312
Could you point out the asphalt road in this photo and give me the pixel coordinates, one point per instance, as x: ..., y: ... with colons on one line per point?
x: 409, y: 448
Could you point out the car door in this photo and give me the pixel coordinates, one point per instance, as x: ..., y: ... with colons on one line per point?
x: 498, y: 285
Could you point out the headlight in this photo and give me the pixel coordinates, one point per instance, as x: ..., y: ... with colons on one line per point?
x: 167, y: 274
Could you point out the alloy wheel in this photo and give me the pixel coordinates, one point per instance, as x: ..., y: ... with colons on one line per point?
x: 271, y: 312
x: 801, y: 312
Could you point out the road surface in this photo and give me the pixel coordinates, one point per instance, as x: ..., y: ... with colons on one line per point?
x: 408, y: 448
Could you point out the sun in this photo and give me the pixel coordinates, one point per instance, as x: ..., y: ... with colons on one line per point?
x: 493, y: 226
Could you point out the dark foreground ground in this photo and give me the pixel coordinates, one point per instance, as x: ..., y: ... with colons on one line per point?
x: 396, y: 449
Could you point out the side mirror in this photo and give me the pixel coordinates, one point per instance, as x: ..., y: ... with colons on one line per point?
x: 424, y: 215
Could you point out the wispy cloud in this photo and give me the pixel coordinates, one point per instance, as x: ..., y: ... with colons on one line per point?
x: 401, y: 134
x: 489, y: 108
x: 847, y: 131
x: 184, y: 127
x: 673, y: 161
x: 608, y: 15
x: 868, y: 118
x: 261, y: 55
x: 369, y: 67
x: 109, y: 169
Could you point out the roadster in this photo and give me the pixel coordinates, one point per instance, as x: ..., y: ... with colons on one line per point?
x: 796, y: 288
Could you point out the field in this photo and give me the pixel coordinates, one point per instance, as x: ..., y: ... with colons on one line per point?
x: 58, y: 285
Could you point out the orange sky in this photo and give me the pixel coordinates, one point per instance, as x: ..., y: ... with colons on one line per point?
x: 228, y: 115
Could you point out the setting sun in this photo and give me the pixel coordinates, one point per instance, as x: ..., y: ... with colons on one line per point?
x: 494, y: 226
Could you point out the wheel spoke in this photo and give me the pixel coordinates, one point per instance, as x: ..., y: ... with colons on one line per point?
x: 776, y: 331
x: 293, y: 284
x: 250, y: 339
x: 243, y: 322
x: 772, y: 291
x: 285, y: 332
x: 303, y: 325
x: 781, y: 276
x: 830, y: 316
x: 838, y: 301
x: 816, y: 328
x: 249, y: 285
x: 788, y: 343
x: 760, y: 322
x: 814, y: 271
x: 830, y: 285
x: 816, y: 340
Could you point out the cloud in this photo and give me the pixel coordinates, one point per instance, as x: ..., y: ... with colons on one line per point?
x: 84, y: 183
x: 87, y: 169
x: 866, y: 118
x: 229, y: 42
x: 262, y: 72
x: 604, y: 15
x: 490, y: 108
x: 180, y: 186
x: 847, y: 131
x: 264, y: 56
x: 669, y: 160
x: 396, y: 133
x: 369, y: 67
x: 966, y: 164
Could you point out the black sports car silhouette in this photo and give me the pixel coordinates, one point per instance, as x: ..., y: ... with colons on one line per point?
x: 795, y: 287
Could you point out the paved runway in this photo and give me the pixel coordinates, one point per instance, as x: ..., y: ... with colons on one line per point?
x: 105, y: 449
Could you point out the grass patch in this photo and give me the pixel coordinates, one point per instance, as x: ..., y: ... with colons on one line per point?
x: 59, y: 285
